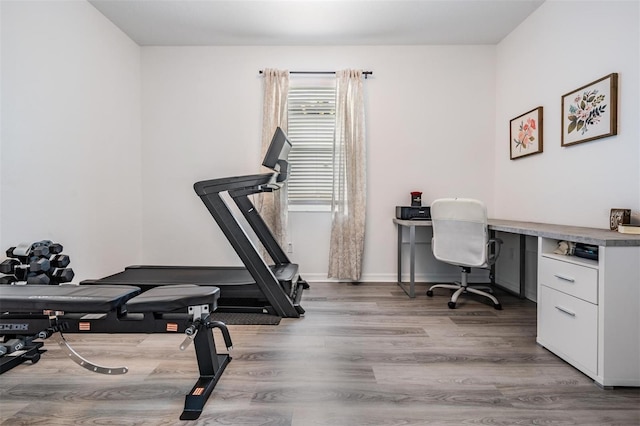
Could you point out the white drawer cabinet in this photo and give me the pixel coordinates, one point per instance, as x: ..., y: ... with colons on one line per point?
x: 570, y: 328
x: 580, y: 281
x: 589, y: 311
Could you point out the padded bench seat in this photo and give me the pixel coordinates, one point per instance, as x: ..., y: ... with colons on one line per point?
x: 172, y: 297
x: 105, y: 308
x: 104, y: 298
x: 67, y: 297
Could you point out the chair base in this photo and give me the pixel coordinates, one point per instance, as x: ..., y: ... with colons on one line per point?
x: 465, y: 288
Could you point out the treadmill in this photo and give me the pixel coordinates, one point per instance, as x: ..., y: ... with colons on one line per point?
x: 256, y: 288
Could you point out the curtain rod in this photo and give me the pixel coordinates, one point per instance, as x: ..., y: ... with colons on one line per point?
x: 365, y: 73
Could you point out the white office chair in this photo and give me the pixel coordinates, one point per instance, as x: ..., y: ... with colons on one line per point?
x: 461, y: 237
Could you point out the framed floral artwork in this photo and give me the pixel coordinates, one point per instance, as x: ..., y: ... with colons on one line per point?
x: 590, y: 112
x: 526, y: 134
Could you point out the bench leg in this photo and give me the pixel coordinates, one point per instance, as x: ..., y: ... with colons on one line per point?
x: 211, y: 366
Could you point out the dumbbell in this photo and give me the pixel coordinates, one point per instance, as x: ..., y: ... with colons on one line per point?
x: 8, y: 279
x: 21, y: 271
x: 60, y: 261
x: 13, y: 345
x: 55, y: 248
x: 35, y: 278
x: 62, y: 275
x: 7, y: 266
x: 39, y: 251
x: 21, y: 251
x: 40, y: 265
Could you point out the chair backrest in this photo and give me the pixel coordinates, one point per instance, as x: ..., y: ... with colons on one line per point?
x: 460, y: 232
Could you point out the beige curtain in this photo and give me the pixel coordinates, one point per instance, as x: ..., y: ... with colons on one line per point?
x: 349, y: 187
x: 273, y: 205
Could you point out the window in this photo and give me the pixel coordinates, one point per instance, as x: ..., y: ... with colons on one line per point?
x: 311, y: 128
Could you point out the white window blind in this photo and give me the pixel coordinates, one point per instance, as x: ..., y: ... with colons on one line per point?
x: 311, y: 128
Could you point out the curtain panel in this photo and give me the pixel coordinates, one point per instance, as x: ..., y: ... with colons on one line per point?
x: 273, y: 206
x: 349, y: 183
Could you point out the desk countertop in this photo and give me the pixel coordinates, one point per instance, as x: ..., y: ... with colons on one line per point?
x: 578, y: 234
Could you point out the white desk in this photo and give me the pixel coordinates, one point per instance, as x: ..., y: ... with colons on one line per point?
x: 588, y: 310
x: 598, y: 237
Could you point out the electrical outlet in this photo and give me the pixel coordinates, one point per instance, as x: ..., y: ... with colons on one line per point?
x: 289, y: 247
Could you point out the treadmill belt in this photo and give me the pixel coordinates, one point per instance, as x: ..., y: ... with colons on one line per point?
x: 169, y: 275
x: 234, y: 282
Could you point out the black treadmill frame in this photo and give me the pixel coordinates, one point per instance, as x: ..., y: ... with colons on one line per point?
x: 239, y: 188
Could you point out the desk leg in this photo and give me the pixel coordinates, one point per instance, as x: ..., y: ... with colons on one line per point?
x: 492, y: 268
x: 522, y: 264
x: 399, y: 253
x: 523, y: 255
x: 412, y: 261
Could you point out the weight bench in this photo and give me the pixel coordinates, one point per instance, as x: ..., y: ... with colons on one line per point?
x: 40, y: 311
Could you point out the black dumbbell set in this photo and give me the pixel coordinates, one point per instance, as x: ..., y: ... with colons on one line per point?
x: 41, y: 262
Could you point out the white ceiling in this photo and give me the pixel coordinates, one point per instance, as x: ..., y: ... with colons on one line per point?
x: 305, y: 22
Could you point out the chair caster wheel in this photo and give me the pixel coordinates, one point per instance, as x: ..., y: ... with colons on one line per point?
x: 430, y: 293
x: 452, y: 305
x: 498, y: 306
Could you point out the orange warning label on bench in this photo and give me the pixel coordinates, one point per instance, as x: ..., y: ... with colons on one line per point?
x: 172, y: 326
x: 84, y: 326
x: 197, y: 391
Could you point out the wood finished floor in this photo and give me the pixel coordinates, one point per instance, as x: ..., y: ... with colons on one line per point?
x: 362, y: 355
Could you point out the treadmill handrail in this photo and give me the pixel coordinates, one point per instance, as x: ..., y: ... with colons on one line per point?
x: 211, y: 186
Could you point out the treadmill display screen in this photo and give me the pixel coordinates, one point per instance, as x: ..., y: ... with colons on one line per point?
x: 278, y: 152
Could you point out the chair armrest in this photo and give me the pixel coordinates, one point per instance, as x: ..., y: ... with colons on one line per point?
x: 497, y: 244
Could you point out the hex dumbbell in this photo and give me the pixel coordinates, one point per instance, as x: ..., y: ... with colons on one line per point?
x: 7, y: 279
x: 13, y: 345
x: 55, y: 248
x: 38, y: 278
x: 62, y: 275
x: 21, y: 252
x: 21, y: 271
x: 39, y: 251
x: 40, y: 265
x: 8, y: 266
x: 60, y: 261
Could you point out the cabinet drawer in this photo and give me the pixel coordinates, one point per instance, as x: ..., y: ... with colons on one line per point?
x: 576, y: 280
x: 568, y: 327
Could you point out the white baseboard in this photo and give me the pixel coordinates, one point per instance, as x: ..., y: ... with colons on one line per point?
x: 393, y: 278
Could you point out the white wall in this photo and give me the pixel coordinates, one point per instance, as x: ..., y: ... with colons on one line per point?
x: 1, y: 121
x: 70, y: 134
x: 75, y: 96
x: 559, y: 48
x: 430, y: 114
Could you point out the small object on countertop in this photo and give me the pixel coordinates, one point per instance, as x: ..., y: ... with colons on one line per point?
x: 629, y: 229
x: 416, y: 198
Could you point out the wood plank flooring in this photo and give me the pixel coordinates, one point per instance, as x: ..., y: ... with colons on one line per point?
x: 362, y: 355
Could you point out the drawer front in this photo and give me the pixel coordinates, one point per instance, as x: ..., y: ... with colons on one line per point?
x: 569, y: 327
x: 576, y: 280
